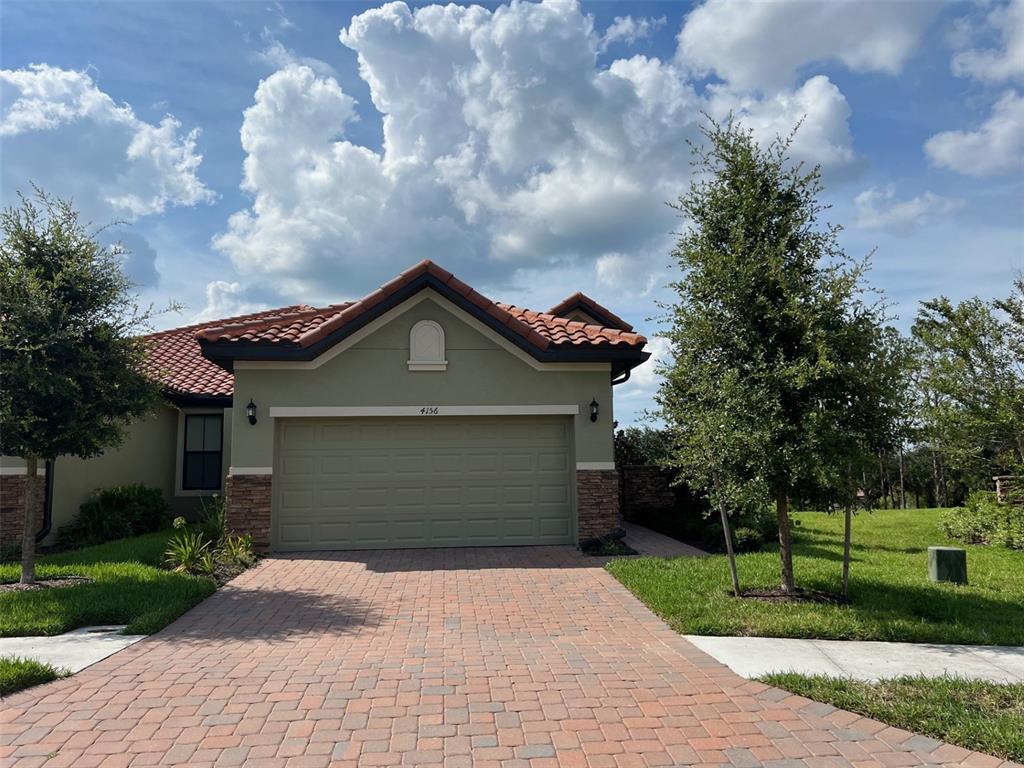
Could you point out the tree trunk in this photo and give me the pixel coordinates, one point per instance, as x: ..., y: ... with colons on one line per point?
x: 729, y: 550
x: 847, y: 535
x: 903, y: 487
x: 936, y: 480
x: 785, y: 541
x: 28, y: 537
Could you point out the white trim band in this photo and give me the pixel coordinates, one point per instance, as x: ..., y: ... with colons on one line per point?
x: 345, y: 411
x: 250, y: 470
x: 599, y: 465
x: 40, y: 471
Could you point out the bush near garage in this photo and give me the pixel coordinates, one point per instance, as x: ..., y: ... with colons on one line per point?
x: 115, y: 513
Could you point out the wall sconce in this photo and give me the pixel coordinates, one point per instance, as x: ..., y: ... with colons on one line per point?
x: 250, y: 411
x: 594, y: 410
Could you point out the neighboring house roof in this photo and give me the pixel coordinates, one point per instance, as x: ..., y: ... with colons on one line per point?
x: 195, y: 362
x: 580, y: 301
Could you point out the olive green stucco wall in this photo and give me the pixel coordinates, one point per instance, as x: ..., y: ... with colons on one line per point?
x: 374, y: 372
x: 148, y: 455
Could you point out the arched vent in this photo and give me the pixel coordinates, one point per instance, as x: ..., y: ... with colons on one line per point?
x: 426, y: 347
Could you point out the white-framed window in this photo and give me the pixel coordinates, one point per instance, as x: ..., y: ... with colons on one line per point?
x: 426, y: 347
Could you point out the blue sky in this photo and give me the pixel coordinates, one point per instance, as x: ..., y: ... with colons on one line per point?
x: 266, y: 153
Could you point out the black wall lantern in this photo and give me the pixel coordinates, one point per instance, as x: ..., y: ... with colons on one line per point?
x: 594, y: 409
x: 250, y: 411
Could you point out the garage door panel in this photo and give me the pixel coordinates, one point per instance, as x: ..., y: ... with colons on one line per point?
x: 379, y: 483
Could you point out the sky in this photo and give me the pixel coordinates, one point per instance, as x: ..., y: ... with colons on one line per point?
x: 260, y: 154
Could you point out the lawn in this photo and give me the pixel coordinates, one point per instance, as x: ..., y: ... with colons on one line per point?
x: 16, y: 674
x: 983, y: 716
x: 891, y: 597
x: 128, y: 587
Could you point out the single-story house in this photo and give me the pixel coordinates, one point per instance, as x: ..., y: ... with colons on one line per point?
x: 422, y: 415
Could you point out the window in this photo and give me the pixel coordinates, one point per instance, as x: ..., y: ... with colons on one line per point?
x: 201, y: 469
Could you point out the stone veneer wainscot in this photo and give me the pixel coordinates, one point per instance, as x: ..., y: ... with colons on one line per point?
x: 597, y: 502
x: 248, y: 502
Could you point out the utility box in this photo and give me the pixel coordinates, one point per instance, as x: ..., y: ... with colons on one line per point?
x: 947, y: 564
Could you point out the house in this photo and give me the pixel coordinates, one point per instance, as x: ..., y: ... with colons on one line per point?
x: 422, y: 415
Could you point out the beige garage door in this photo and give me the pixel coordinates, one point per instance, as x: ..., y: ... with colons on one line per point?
x: 428, y: 482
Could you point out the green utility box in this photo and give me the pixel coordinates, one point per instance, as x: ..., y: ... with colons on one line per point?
x: 947, y: 564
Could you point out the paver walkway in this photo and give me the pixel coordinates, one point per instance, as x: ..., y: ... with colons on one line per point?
x: 863, y: 660
x: 483, y: 657
x: 654, y: 544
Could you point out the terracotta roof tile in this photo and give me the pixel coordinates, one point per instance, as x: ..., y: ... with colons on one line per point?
x: 176, y: 358
x: 581, y: 301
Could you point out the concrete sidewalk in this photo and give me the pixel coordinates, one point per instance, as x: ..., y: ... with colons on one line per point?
x: 74, y: 650
x: 754, y: 657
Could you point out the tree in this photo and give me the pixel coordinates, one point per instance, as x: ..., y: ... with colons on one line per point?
x: 758, y: 331
x: 71, y: 368
x: 972, y: 387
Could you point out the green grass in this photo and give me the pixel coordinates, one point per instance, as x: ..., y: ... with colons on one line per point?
x: 983, y: 716
x: 128, y: 587
x: 891, y: 597
x: 17, y: 674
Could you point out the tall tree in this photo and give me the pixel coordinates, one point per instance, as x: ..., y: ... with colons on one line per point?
x: 70, y: 366
x: 972, y: 386
x: 758, y: 330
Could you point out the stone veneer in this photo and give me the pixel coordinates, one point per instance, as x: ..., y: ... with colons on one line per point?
x: 644, y: 488
x: 247, y: 507
x: 12, y: 508
x: 597, y: 502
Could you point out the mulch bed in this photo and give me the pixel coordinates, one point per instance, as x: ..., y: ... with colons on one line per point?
x: 61, y: 581
x: 801, y: 595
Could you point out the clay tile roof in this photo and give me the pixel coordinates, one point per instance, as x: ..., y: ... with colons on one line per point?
x: 177, y: 360
x: 599, y: 312
x: 559, y: 330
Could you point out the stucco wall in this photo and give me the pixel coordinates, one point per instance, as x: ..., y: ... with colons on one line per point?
x: 149, y: 455
x: 374, y: 372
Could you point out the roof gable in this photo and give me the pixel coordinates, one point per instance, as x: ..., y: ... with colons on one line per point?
x: 581, y: 302
x: 303, y: 337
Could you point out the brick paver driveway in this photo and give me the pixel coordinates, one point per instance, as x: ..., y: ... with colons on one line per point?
x: 511, y: 657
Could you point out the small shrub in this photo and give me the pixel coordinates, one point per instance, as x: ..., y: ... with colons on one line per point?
x: 186, y: 550
x: 237, y: 550
x: 207, y: 564
x: 983, y: 520
x: 115, y: 513
x: 213, y: 521
x: 747, y: 539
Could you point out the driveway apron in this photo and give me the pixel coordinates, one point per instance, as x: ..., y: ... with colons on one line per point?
x: 456, y: 657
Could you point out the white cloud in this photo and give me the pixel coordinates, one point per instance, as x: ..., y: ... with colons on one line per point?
x: 995, y: 147
x: 879, y: 209
x: 627, y: 30
x: 225, y: 299
x: 506, y: 148
x: 277, y: 55
x: 824, y: 136
x: 754, y: 44
x: 995, y: 64
x: 64, y: 133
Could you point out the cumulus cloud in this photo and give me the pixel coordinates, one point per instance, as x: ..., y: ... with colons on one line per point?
x: 506, y: 148
x: 225, y: 299
x: 61, y: 131
x: 995, y: 147
x: 627, y: 30
x: 753, y: 44
x: 880, y: 209
x: 1003, y: 62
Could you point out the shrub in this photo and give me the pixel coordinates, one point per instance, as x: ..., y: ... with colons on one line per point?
x: 237, y: 550
x: 186, y: 551
x: 212, y: 521
x: 983, y: 520
x: 115, y: 513
x: 747, y: 539
x: 641, y: 445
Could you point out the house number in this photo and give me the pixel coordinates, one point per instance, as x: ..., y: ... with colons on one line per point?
x: 430, y: 410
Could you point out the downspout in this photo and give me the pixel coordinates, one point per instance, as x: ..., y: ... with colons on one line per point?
x: 47, y: 503
x: 624, y: 379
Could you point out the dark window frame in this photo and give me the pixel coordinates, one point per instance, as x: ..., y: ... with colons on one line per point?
x: 202, y: 483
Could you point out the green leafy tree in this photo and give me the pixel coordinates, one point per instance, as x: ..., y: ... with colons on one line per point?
x: 971, y: 379
x: 759, y: 331
x: 69, y: 361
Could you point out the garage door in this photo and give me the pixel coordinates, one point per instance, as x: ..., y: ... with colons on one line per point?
x: 428, y: 482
